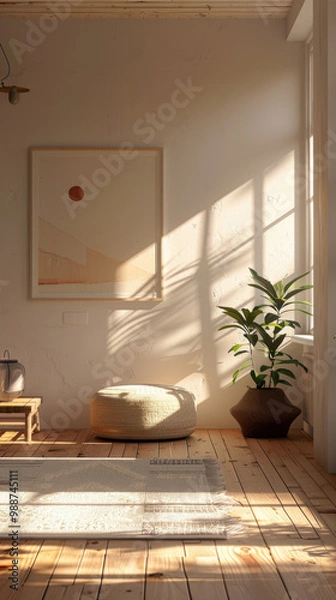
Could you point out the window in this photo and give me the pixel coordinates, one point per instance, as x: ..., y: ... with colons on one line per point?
x: 310, y: 177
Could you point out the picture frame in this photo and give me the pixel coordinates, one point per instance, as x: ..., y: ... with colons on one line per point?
x: 96, y: 223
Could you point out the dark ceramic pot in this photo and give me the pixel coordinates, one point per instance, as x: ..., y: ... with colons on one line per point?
x: 265, y: 413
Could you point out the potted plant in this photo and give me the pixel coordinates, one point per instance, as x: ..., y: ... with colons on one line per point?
x: 264, y: 410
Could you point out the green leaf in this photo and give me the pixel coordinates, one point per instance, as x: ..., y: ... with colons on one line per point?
x: 269, y: 296
x: 292, y: 281
x: 298, y: 291
x: 235, y: 375
x: 251, y: 315
x: 284, y: 382
x: 236, y: 347
x: 233, y: 313
x: 300, y: 364
x: 275, y: 378
x: 270, y: 318
x: 278, y: 341
x: 306, y: 312
x: 286, y: 372
x: 278, y: 326
x: 299, y: 302
x: 256, y: 312
x: 232, y: 327
x: 241, y: 368
x: 293, y: 361
x: 292, y: 324
x: 279, y: 303
x: 279, y: 288
x: 267, y: 339
x: 252, y: 338
x: 259, y: 380
x: 264, y: 284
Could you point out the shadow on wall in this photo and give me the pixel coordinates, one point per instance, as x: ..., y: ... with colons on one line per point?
x: 232, y: 195
x: 177, y: 342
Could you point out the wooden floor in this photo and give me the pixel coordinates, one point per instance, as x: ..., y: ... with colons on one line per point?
x: 285, y: 498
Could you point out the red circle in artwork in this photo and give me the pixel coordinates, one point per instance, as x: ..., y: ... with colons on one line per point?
x: 76, y: 193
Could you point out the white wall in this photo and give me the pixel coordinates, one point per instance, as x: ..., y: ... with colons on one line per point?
x: 229, y: 197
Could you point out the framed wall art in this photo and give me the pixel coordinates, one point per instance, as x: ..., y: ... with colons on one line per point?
x: 96, y: 223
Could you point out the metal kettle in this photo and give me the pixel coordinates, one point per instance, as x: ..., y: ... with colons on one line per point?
x: 12, y: 378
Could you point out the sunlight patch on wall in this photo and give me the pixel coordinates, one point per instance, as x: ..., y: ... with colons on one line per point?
x: 233, y: 219
x: 279, y: 251
x: 231, y: 245
x: 278, y: 218
x: 181, y: 246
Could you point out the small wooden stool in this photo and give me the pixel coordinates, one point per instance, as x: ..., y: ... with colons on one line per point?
x: 29, y: 407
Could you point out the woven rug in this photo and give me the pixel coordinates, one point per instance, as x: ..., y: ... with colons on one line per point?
x: 114, y: 498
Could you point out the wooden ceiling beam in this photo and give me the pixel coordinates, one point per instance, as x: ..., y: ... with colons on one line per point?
x: 244, y: 9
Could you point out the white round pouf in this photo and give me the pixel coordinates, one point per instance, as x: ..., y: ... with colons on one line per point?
x: 143, y: 412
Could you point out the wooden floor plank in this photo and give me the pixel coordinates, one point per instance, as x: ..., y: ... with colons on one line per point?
x: 307, y: 504
x: 37, y: 581
x: 205, y: 579
x: 68, y: 563
x: 21, y: 448
x: 303, y: 479
x: 286, y: 500
x: 148, y: 449
x: 173, y: 449
x: 288, y: 503
x: 96, y: 449
x: 131, y: 450
x: 62, y: 445
x: 46, y: 447
x: 268, y: 511
x: 83, y: 437
x: 74, y: 448
x: 166, y: 578
x: 301, y: 574
x: 28, y: 550
x: 91, y: 565
x: 53, y: 593
x: 203, y: 570
x: 231, y: 478
x: 199, y: 445
x: 124, y: 570
x: 76, y: 591
x: 89, y: 592
x: 249, y: 572
x: 327, y: 484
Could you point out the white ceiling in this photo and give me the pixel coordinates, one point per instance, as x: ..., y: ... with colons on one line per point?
x: 262, y: 9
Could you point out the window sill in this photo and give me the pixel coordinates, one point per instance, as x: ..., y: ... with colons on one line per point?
x: 303, y: 339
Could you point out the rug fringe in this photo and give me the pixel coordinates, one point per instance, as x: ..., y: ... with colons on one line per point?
x: 216, y: 482
x: 220, y: 498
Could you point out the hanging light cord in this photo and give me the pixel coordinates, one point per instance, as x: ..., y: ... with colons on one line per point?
x: 8, y: 66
